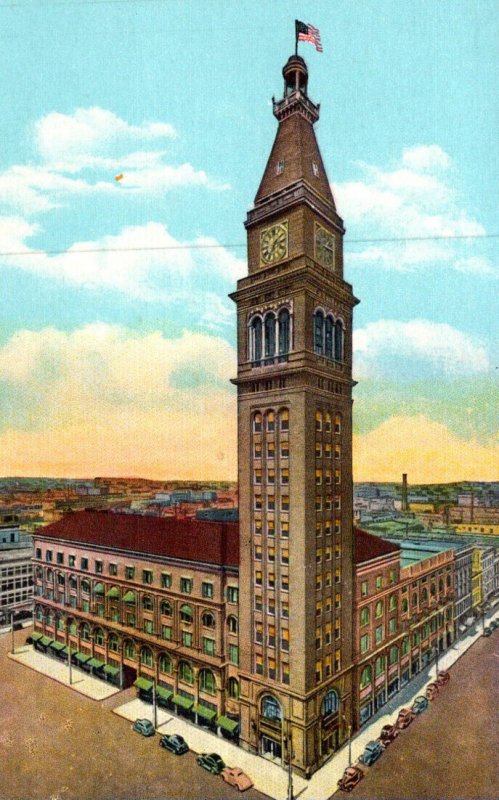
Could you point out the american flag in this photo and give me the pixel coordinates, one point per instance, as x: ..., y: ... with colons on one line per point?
x: 307, y: 33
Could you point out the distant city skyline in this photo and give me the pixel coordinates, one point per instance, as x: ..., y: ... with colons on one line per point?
x: 118, y: 362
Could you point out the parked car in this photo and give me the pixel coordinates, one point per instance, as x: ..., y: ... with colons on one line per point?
x: 431, y: 691
x: 175, y: 743
x: 236, y: 777
x: 388, y: 734
x: 350, y: 779
x: 487, y: 631
x: 144, y: 726
x: 373, y: 750
x: 443, y: 677
x: 494, y: 624
x: 404, y: 718
x: 211, y: 761
x: 420, y: 704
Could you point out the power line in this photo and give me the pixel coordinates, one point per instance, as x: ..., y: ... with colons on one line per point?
x: 230, y: 246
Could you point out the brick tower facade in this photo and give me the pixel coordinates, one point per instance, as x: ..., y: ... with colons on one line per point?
x: 294, y: 387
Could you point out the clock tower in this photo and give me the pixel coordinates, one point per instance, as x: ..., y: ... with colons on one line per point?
x: 294, y: 386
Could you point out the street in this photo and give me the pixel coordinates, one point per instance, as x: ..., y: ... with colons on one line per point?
x: 58, y: 744
x: 450, y: 750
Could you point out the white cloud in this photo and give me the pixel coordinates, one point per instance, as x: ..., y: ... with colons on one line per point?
x: 414, y: 199
x: 103, y: 398
x: 142, y: 261
x: 418, y: 348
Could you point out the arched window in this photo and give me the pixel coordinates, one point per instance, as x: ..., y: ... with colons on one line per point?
x: 232, y: 624
x: 284, y: 333
x: 270, y: 417
x: 59, y: 623
x: 165, y: 664
x: 379, y: 666
x: 147, y: 603
x: 114, y: 642
x: 208, y: 620
x: 257, y: 422
x: 271, y: 708
x: 319, y: 332
x: 394, y: 654
x: 284, y: 419
x: 329, y: 343
x: 331, y: 703
x: 72, y: 627
x: 50, y: 575
x: 366, y: 677
x: 364, y: 616
x: 185, y: 672
x: 379, y: 608
x: 186, y: 613
x: 129, y: 649
x: 327, y: 422
x: 49, y: 618
x: 405, y: 605
x: 424, y: 595
x: 414, y: 599
x: 440, y: 584
x: 73, y: 583
x: 39, y: 613
x: 256, y: 339
x: 337, y: 423
x: 233, y: 688
x: 433, y: 589
x: 318, y: 421
x: 146, y: 657
x: 85, y: 586
x: 207, y: 681
x: 393, y: 602
x: 99, y: 636
x: 166, y: 608
x: 85, y: 632
x: 338, y: 340
x: 269, y: 327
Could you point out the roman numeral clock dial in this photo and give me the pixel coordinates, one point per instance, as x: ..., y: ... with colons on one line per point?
x: 274, y: 243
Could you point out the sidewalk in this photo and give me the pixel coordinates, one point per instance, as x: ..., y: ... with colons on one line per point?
x: 81, y: 681
x: 323, y: 783
x: 268, y: 777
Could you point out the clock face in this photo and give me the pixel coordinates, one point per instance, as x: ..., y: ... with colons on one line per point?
x: 324, y: 246
x: 274, y: 243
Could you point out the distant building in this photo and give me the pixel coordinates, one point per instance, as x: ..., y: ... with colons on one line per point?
x: 16, y: 573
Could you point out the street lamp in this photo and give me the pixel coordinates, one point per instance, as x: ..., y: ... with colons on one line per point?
x: 349, y: 734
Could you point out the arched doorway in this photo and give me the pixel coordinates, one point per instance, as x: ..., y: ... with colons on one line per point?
x: 270, y: 728
x: 330, y: 722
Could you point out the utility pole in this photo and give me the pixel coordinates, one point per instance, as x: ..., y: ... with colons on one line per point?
x: 70, y: 665
x: 155, y: 710
x: 349, y: 745
x: 290, y: 767
x: 12, y: 631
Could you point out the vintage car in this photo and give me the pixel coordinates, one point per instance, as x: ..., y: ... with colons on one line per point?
x: 420, y: 704
x: 211, y: 762
x: 144, y: 726
x: 431, y: 691
x: 372, y: 751
x: 350, y: 779
x: 443, y: 677
x: 174, y: 743
x: 404, y: 718
x: 388, y: 734
x: 236, y: 777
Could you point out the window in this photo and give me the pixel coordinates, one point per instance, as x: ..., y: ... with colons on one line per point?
x: 378, y: 634
x: 393, y: 602
x: 48, y: 555
x: 208, y: 646
x: 148, y: 626
x: 258, y: 502
x: 147, y: 603
x: 258, y: 577
x: 113, y: 569
x: 257, y: 477
x: 185, y: 672
x: 99, y: 567
x: 233, y: 688
x: 84, y: 563
x: 232, y: 594
x: 129, y: 573
x: 319, y: 332
x: 234, y: 654
x: 166, y: 580
x: 379, y: 608
x: 187, y: 638
x: 165, y: 664
x: 271, y: 579
x: 186, y: 613
x: 364, y: 643
x: 337, y: 423
x: 285, y: 477
x: 208, y: 620
x: 257, y: 422
x: 207, y: 682
x: 285, y: 502
x: 165, y: 608
x: 85, y: 632
x: 338, y: 340
x: 271, y: 502
x: 166, y: 632
x: 130, y: 618
x: 364, y: 616
x: 270, y: 708
x: 405, y: 646
x: 284, y: 609
x: 60, y: 558
x: 365, y: 677
x: 146, y: 657
x: 257, y: 449
x: 364, y: 588
x: 207, y: 589
x: 379, y: 666
x: 259, y: 664
x: 392, y: 625
x: 186, y: 585
x: 271, y: 475
x: 147, y: 576
x: 318, y: 421
x: 284, y: 555
x: 232, y: 624
x: 379, y: 581
x: 284, y: 419
x: 279, y: 168
x: 284, y: 338
x: 38, y: 553
x: 284, y: 449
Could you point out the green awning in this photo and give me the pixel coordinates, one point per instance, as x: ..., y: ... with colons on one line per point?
x: 144, y: 684
x: 56, y: 646
x: 110, y: 670
x: 95, y: 662
x: 129, y: 597
x: 66, y: 650
x: 207, y: 713
x: 36, y: 635
x: 99, y: 588
x: 113, y: 593
x: 165, y: 694
x: 227, y: 724
x: 82, y: 657
x: 45, y: 641
x: 184, y: 702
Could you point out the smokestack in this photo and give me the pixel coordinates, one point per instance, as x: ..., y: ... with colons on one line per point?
x: 405, y: 505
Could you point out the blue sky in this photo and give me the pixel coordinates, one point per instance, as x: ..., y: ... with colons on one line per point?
x: 107, y: 359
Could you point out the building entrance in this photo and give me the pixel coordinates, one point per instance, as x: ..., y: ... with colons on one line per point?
x: 271, y: 749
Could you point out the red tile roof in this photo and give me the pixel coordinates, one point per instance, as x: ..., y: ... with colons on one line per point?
x: 367, y: 546
x: 190, y: 539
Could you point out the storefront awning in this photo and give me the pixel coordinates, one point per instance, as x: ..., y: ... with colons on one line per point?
x: 82, y: 657
x: 469, y: 621
x: 58, y: 646
x: 129, y: 597
x: 183, y: 702
x: 45, y: 641
x: 462, y: 628
x: 113, y: 593
x: 36, y: 636
x: 95, y: 662
x: 110, y: 670
x: 164, y: 693
x: 207, y: 713
x: 99, y: 588
x: 227, y: 724
x: 144, y: 684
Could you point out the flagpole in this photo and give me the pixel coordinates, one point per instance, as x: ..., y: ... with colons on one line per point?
x: 296, y: 37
